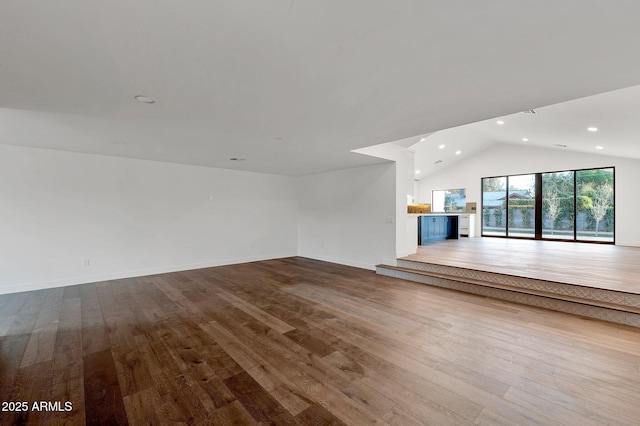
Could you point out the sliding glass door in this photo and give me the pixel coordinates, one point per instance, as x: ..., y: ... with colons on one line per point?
x: 494, y: 194
x: 573, y: 205
x: 558, y: 205
x: 521, y: 207
x: 595, y: 218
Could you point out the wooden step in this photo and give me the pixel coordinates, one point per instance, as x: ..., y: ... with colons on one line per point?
x: 585, y: 306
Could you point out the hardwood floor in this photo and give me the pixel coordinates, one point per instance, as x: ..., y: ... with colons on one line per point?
x: 297, y: 341
x: 591, y: 265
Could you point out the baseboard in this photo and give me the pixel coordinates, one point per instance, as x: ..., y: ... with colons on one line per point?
x: 628, y: 243
x: 390, y: 262
x: 85, y: 279
x: 340, y: 261
x: 404, y: 253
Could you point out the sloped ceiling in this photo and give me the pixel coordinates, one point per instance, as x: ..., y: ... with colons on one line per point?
x: 291, y: 86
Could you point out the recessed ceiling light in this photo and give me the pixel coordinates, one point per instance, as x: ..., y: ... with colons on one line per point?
x: 500, y: 122
x: 145, y: 99
x: 237, y: 159
x: 458, y: 152
x: 423, y: 139
x: 417, y: 171
x: 525, y: 139
x: 441, y: 146
x: 599, y: 147
x: 592, y: 129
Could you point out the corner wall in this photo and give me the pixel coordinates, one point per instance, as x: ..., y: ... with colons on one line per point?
x: 506, y: 159
x: 347, y: 216
x: 68, y: 218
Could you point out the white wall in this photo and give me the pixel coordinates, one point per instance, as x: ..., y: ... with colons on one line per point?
x: 132, y: 217
x: 347, y: 216
x: 406, y: 225
x: 506, y: 159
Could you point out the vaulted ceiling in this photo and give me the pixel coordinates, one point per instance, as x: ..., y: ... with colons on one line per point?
x: 290, y: 86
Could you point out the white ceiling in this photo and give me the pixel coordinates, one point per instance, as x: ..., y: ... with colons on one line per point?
x: 615, y: 115
x: 294, y: 86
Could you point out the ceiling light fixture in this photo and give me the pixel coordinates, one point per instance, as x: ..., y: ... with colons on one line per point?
x: 599, y: 147
x: 145, y: 99
x: 458, y: 152
x: 417, y: 172
x: 441, y: 146
x: 423, y: 139
x: 592, y: 129
x: 525, y: 139
x: 500, y: 122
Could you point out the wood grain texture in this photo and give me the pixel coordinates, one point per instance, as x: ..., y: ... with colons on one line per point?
x: 590, y: 265
x: 302, y: 342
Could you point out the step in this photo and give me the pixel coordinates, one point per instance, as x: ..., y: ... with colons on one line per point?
x: 527, y: 284
x: 586, y: 306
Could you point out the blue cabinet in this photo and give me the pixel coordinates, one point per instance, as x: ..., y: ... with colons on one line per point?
x: 437, y: 228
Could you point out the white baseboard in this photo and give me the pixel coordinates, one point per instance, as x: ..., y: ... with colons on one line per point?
x: 405, y: 253
x: 85, y: 279
x: 628, y: 243
x: 340, y: 261
x: 390, y: 262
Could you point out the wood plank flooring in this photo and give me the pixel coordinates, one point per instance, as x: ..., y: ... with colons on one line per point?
x: 591, y: 265
x: 298, y: 341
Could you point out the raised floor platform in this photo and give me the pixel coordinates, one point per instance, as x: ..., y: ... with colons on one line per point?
x: 592, y: 280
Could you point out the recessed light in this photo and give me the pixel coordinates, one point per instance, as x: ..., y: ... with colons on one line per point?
x: 592, y: 129
x: 599, y: 147
x: 525, y: 139
x: 441, y: 146
x: 423, y: 139
x: 237, y: 159
x: 145, y: 99
x: 458, y: 152
x: 417, y: 171
x: 500, y: 122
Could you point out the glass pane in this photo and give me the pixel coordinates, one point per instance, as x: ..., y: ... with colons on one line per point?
x: 494, y: 197
x: 448, y: 200
x: 595, y: 218
x: 557, y: 205
x: 521, y: 206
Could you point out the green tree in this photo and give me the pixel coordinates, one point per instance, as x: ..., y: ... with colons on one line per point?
x: 597, y: 199
x: 493, y: 184
x: 497, y: 215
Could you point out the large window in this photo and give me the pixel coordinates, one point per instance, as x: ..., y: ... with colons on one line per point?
x: 558, y: 205
x: 574, y: 205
